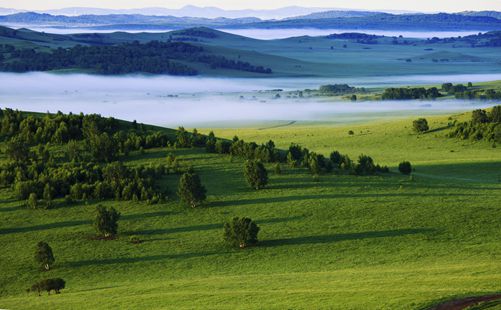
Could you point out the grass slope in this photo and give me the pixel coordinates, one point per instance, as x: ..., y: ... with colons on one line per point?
x: 298, y: 56
x: 345, y: 242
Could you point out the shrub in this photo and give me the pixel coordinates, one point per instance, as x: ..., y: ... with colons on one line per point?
x: 255, y: 174
x: 44, y: 256
x: 405, y: 167
x: 106, y: 221
x: 32, y: 201
x: 420, y: 125
x: 48, y: 285
x: 241, y: 232
x: 365, y: 165
x: 190, y: 189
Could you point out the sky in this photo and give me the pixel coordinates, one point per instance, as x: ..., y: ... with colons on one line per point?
x: 408, y: 5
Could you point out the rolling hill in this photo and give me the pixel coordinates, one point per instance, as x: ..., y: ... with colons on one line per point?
x: 347, y: 241
x: 324, y: 56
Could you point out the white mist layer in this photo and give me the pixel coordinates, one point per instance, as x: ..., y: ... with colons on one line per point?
x: 199, y: 101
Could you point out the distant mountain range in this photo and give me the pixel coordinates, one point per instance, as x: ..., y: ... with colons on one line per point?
x: 186, y: 11
x: 477, y: 21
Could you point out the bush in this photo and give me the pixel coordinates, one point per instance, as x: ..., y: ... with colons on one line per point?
x: 420, y: 125
x: 190, y: 189
x: 255, y: 174
x: 241, y: 232
x: 405, y: 167
x: 365, y: 165
x: 44, y: 256
x: 106, y: 221
x: 32, y: 201
x: 48, y: 285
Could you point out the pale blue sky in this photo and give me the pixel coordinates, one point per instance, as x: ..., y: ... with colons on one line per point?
x: 411, y: 5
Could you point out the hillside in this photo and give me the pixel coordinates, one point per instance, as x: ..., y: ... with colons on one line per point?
x: 478, y: 21
x: 336, y: 55
x: 362, y: 242
x: 384, y: 21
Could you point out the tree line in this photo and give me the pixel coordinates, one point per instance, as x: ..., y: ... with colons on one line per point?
x: 153, y: 57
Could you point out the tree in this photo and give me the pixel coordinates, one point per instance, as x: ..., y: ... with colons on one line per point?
x: 106, y: 221
x: 405, y: 167
x: 365, y: 165
x: 190, y: 189
x: 32, y: 201
x: 255, y: 174
x: 314, y: 164
x: 495, y: 114
x: 479, y: 117
x: 17, y: 150
x: 241, y: 232
x: 44, y: 256
x: 420, y: 125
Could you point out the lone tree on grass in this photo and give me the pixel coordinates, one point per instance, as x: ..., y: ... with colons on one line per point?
x: 106, y: 221
x: 190, y: 190
x: 405, y: 167
x: 255, y: 174
x: 241, y: 232
x: 44, y: 256
x: 420, y: 125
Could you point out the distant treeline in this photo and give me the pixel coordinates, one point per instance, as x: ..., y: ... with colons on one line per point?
x: 339, y: 89
x: 154, y: 57
x: 488, y: 39
x: 410, y: 93
x: 459, y: 91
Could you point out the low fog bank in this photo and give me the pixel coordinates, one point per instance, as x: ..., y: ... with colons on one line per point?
x: 55, y: 84
x: 263, y: 34
x: 208, y: 102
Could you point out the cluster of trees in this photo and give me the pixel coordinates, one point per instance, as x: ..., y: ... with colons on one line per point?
x: 337, y: 162
x: 404, y: 93
x: 248, y: 150
x: 153, y: 57
x: 481, y: 94
x: 40, y: 183
x: 452, y: 89
x: 482, y: 126
x: 84, y: 165
x: 339, y: 89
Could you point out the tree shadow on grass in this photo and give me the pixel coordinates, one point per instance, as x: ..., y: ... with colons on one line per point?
x: 205, y: 227
x: 141, y: 216
x: 322, y: 239
x: 64, y: 224
x: 328, y: 196
x: 13, y: 208
x: 141, y: 259
x: 14, y: 230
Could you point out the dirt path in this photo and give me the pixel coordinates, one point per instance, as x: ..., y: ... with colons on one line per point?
x: 463, y: 303
x: 278, y: 126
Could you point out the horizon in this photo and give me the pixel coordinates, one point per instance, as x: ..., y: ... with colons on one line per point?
x: 365, y: 5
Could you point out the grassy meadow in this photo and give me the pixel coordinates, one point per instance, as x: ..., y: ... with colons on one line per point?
x: 344, y: 242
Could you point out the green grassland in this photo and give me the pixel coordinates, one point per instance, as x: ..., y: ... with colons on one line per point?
x: 296, y: 57
x: 344, y: 242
